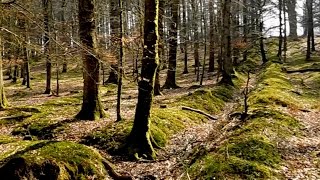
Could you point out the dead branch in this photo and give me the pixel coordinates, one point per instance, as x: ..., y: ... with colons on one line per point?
x: 199, y: 112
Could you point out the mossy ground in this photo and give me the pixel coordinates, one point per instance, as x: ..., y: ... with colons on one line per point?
x: 67, y: 160
x: 250, y: 151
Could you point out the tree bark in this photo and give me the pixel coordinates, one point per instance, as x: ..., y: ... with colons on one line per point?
x: 212, y: 38
x: 227, y: 59
x: 115, y: 31
x: 91, y: 106
x: 3, y: 99
x: 46, y: 15
x: 196, y: 34
x: 157, y: 86
x: 140, y: 137
x: 279, y: 55
x: 173, y: 43
x: 292, y: 15
x: 185, y: 37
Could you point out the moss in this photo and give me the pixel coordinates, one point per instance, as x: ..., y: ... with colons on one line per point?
x: 254, y: 148
x: 211, y: 101
x: 164, y: 123
x: 273, y: 89
x: 217, y: 166
x: 249, y: 150
x: 73, y: 161
x: 7, y: 139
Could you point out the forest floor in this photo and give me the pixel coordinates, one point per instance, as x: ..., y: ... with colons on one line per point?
x: 48, y: 117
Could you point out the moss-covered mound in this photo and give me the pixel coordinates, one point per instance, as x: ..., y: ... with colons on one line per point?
x: 250, y: 150
x: 50, y: 160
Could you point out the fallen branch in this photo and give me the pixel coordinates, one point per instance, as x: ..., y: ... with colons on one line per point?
x: 303, y: 70
x: 199, y: 112
x: 16, y: 118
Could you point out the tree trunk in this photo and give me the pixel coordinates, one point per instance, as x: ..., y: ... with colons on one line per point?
x: 171, y: 74
x: 139, y: 142
x: 3, y: 100
x: 115, y: 31
x: 212, y: 38
x: 279, y: 55
x: 195, y: 34
x: 185, y: 37
x: 227, y: 59
x: 309, y: 26
x: 120, y: 61
x: 91, y: 106
x: 292, y: 14
x: 245, y: 30
x: 157, y: 85
x: 46, y: 15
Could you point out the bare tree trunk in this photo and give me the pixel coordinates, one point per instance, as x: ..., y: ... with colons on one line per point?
x: 227, y: 59
x: 120, y: 62
x: 292, y: 14
x: 91, y: 106
x: 3, y: 99
x: 310, y: 28
x: 279, y: 55
x: 173, y: 43
x: 211, y: 38
x: 46, y: 15
x: 157, y: 86
x: 185, y: 37
x: 139, y: 142
x: 196, y: 34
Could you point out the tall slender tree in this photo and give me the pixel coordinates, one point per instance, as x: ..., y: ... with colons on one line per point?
x: 92, y: 108
x: 173, y: 43
x: 140, y: 137
x: 211, y: 37
x: 227, y: 68
x: 47, y: 7
x: 3, y: 100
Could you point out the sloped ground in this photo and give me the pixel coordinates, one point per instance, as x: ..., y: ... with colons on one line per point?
x: 279, y: 138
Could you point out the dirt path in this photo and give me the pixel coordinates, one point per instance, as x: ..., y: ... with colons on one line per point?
x: 302, y: 152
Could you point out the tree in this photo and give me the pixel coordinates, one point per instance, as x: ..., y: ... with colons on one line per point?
x: 173, y: 43
x: 47, y: 7
x: 227, y: 68
x: 310, y: 28
x: 195, y: 34
x: 91, y: 106
x: 211, y: 37
x: 185, y: 36
x: 140, y: 137
x: 279, y: 55
x: 292, y: 15
x: 120, y: 61
x: 115, y: 32
x: 3, y: 100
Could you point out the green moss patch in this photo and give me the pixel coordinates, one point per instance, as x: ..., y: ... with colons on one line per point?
x: 51, y: 160
x: 250, y: 149
x: 217, y: 166
x: 211, y: 101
